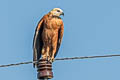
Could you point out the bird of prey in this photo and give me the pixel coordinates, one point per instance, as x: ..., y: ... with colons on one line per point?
x: 48, y: 36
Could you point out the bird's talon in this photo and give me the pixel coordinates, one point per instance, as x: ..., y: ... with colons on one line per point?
x: 52, y: 60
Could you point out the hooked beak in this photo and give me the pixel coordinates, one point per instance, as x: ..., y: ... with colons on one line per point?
x: 62, y: 14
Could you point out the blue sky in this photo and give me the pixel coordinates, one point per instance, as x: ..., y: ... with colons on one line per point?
x: 92, y: 27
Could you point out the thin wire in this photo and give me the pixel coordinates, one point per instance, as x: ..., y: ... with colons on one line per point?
x: 72, y: 58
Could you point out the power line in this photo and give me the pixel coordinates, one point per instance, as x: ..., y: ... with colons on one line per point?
x: 72, y: 58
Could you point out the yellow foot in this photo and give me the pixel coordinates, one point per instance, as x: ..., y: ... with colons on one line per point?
x: 51, y: 60
x: 46, y: 57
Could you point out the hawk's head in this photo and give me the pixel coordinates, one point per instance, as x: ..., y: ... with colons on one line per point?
x: 57, y: 12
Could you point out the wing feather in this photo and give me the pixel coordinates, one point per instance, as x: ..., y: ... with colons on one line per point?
x: 37, y: 42
x: 60, y: 36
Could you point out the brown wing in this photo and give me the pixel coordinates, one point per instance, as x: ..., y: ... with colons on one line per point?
x: 60, y: 36
x: 37, y: 42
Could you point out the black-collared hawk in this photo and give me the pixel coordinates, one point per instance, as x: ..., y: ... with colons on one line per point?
x: 48, y: 36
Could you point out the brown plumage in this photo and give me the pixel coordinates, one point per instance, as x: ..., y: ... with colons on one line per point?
x: 48, y: 36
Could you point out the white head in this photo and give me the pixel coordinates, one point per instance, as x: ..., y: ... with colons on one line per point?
x: 57, y: 12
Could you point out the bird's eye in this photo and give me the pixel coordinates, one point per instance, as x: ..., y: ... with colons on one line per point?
x: 58, y: 10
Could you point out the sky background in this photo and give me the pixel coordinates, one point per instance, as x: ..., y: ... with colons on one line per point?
x: 91, y: 27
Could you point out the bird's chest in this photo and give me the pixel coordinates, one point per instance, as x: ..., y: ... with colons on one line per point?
x: 53, y: 23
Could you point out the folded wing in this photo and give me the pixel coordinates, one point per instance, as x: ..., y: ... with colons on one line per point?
x: 60, y: 36
x: 37, y: 42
